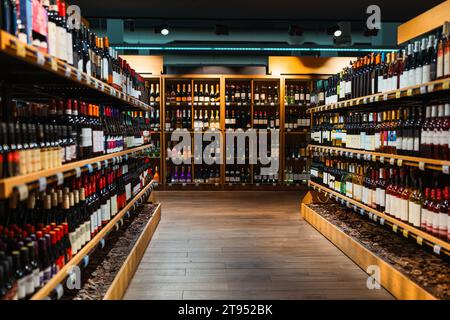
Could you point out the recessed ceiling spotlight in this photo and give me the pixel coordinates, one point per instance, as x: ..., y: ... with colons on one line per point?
x: 338, y: 33
x: 164, y: 31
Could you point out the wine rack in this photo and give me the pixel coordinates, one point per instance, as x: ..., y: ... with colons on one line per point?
x: 429, y: 90
x: 23, y: 183
x: 83, y: 255
x: 422, y: 238
x: 392, y: 159
x: 23, y: 64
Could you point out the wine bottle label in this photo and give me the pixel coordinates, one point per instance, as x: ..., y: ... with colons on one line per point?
x: 426, y: 73
x: 404, y: 212
x: 104, y: 212
x: 22, y: 288
x: 443, y: 217
x: 69, y: 44
x: 61, y: 43
x: 93, y: 222
x: 98, y: 218
x: 47, y: 274
x: 357, y: 192
x: 414, y: 214
x: 86, y: 137
x: 36, y: 278
x: 447, y: 62
x: 412, y: 78
x: 365, y: 195
x: 419, y: 74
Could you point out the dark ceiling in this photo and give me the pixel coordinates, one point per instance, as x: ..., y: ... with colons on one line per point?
x: 391, y: 10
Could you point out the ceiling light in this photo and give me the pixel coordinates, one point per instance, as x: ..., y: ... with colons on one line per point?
x: 337, y: 33
x: 165, y: 31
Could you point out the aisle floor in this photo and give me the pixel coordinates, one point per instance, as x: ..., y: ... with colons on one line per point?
x: 243, y: 245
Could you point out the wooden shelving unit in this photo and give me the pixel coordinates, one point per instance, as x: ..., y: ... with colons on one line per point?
x: 423, y: 163
x: 21, y: 64
x: 425, y: 89
x: 166, y: 80
x: 77, y: 259
x: 8, y: 185
x: 397, y: 226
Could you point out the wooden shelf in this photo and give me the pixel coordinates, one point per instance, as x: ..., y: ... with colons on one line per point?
x: 24, y: 64
x: 440, y: 165
x: 123, y: 278
x: 64, y: 272
x: 398, y: 226
x: 392, y: 280
x: 7, y: 185
x: 409, y: 92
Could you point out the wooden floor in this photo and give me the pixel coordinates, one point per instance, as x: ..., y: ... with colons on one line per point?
x: 243, y: 245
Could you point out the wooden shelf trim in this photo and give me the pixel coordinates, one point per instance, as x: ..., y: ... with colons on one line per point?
x: 433, y: 164
x: 402, y: 228
x: 391, y: 279
x: 64, y: 272
x: 123, y: 278
x: 16, y: 48
x: 7, y: 185
x: 422, y: 89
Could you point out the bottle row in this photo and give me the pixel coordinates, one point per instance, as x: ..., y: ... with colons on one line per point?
x: 204, y: 94
x: 419, y: 62
x: 45, y: 136
x: 420, y: 198
x: 40, y: 234
x: 296, y: 174
x: 414, y: 131
x: 45, y: 25
x: 183, y: 174
x: 297, y: 95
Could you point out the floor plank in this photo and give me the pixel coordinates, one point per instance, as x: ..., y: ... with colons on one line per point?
x: 244, y: 245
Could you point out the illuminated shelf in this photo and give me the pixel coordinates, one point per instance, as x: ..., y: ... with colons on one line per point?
x: 24, y: 64
x: 408, y: 92
x: 397, y: 226
x: 440, y: 165
x: 46, y: 290
x: 7, y: 185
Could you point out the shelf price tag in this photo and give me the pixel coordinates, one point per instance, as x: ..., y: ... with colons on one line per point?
x: 374, y: 158
x: 102, y: 243
x: 183, y: 184
x: 409, y: 92
x: 78, y: 172
x: 375, y: 217
x: 400, y: 162
x: 60, y: 178
x: 430, y: 88
x: 446, y: 85
x: 391, y: 161
x: 99, y: 165
x: 382, y: 159
x: 394, y: 227
x: 23, y: 192
x: 54, y: 64
x: 68, y: 71
x: 385, y: 97
x: 423, y: 89
x: 382, y: 221
x: 398, y: 94
x: 90, y: 168
x: 40, y: 58
x: 42, y: 183
x: 422, y: 166
x: 445, y: 169
x: 377, y: 98
x: 85, y: 261
x: 105, y: 163
x: 405, y: 233
x: 419, y: 240
x: 20, y: 49
x: 79, y: 75
x: 361, y: 211
x: 437, y: 249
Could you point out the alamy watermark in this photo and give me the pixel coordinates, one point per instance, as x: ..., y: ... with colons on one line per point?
x: 241, y: 147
